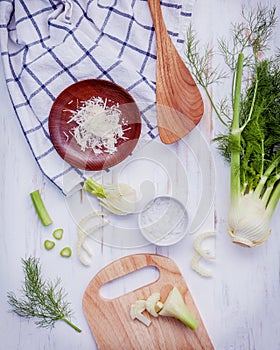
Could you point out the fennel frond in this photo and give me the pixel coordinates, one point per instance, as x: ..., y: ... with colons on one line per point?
x: 41, y: 300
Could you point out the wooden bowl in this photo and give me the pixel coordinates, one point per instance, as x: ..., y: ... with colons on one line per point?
x: 72, y: 98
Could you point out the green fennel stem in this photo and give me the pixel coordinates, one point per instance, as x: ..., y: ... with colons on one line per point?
x: 40, y: 208
x: 188, y: 320
x: 236, y: 134
x: 273, y: 201
x: 260, y: 187
x: 252, y: 106
x: 214, y: 106
x: 71, y: 324
x: 267, y: 194
x: 94, y: 188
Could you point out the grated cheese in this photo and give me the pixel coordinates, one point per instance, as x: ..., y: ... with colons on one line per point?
x: 99, y: 126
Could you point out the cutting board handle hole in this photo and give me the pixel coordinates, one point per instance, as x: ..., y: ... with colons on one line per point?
x: 122, y: 285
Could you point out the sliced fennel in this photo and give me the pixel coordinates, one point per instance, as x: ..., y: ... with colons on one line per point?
x: 197, y: 244
x: 195, y: 264
x: 58, y: 233
x: 174, y: 306
x: 136, y: 310
x: 152, y: 304
x: 66, y: 252
x: 201, y: 253
x: 117, y: 198
x: 252, y: 117
x: 83, y: 250
x: 49, y: 244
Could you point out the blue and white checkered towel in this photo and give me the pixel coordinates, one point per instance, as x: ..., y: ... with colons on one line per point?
x: 47, y: 45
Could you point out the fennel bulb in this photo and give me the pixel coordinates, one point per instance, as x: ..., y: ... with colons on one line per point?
x: 252, y: 117
x: 119, y: 199
x: 254, y: 154
x: 248, y: 221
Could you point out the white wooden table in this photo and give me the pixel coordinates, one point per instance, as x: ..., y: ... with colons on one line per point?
x: 239, y: 304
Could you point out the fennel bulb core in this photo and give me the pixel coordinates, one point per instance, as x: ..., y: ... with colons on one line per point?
x: 119, y: 198
x: 248, y: 221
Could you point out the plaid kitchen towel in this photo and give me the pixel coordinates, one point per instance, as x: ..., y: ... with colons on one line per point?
x: 47, y: 45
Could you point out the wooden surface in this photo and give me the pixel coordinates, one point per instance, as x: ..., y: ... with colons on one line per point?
x: 239, y: 304
x: 166, y: 333
x: 179, y: 102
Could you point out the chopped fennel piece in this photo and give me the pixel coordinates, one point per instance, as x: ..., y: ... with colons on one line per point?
x: 66, y: 252
x: 197, y: 268
x: 58, y: 233
x: 136, y: 310
x: 99, y: 126
x: 49, y: 244
x: 205, y: 253
x: 84, y: 232
x: 158, y: 306
x: 201, y: 253
x: 152, y: 304
x: 138, y: 307
x: 143, y: 319
x: 87, y: 249
x: 40, y: 208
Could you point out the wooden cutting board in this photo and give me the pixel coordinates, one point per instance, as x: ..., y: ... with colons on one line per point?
x: 109, y: 319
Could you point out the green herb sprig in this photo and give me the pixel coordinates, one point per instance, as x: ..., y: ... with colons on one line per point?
x: 41, y: 300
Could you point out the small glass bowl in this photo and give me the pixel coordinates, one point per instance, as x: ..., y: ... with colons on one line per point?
x: 163, y: 221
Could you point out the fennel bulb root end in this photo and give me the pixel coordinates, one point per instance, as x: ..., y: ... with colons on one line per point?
x: 245, y: 242
x: 249, y: 221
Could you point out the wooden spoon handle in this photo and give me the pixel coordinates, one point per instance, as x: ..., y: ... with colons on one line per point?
x: 163, y: 42
x: 157, y: 17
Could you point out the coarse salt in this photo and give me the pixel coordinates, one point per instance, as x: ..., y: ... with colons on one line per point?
x: 163, y: 221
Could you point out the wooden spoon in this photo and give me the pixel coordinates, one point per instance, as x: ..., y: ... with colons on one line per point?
x: 179, y: 102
